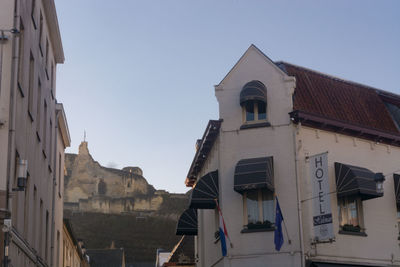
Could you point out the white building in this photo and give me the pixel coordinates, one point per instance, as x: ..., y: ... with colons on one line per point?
x: 33, y: 134
x: 322, y: 145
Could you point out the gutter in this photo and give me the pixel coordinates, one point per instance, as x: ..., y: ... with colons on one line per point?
x: 298, y: 200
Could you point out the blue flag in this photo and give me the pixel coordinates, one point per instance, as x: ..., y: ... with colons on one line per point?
x: 278, y: 236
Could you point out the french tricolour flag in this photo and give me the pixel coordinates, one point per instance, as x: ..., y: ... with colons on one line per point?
x: 223, y: 233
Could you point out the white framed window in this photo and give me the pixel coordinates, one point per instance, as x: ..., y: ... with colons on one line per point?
x: 350, y: 214
x: 254, y: 111
x: 258, y: 209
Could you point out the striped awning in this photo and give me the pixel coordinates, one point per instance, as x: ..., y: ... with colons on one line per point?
x: 254, y: 90
x: 254, y: 173
x: 355, y: 181
x: 187, y: 224
x: 396, y: 178
x: 205, y: 192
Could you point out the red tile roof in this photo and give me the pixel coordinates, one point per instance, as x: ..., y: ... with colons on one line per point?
x: 338, y: 99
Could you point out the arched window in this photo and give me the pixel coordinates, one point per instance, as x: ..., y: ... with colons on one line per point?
x: 253, y: 99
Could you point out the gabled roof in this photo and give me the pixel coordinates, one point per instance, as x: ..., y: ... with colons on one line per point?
x: 252, y: 47
x: 362, y: 107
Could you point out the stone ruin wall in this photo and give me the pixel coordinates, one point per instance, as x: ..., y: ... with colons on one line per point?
x: 93, y: 188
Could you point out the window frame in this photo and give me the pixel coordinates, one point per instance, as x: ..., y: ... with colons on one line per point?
x: 256, y: 113
x: 344, y: 216
x: 258, y: 227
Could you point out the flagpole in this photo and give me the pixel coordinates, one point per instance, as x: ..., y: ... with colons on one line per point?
x: 287, y: 234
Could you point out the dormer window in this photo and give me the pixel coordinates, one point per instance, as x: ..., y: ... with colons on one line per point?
x: 253, y: 99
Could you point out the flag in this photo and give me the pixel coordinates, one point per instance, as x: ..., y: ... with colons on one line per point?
x: 223, y: 233
x: 278, y: 236
x: 222, y: 236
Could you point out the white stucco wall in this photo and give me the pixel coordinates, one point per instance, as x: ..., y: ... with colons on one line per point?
x: 253, y: 249
x: 381, y: 245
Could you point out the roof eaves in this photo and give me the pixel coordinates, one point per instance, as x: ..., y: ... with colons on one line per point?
x: 213, y: 126
x: 332, y: 125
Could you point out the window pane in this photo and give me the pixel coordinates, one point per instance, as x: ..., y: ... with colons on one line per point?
x: 252, y: 206
x: 262, y: 113
x: 353, y: 212
x: 268, y: 206
x: 249, y: 111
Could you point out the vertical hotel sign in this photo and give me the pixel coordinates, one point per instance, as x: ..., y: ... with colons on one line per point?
x: 322, y: 214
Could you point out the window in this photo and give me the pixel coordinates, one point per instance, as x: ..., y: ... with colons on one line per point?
x: 31, y: 85
x: 258, y: 209
x: 253, y: 100
x: 350, y: 214
x: 26, y: 207
x: 59, y: 173
x: 21, y: 58
x: 38, y: 109
x: 46, y: 245
x: 58, y: 247
x: 33, y: 11
x: 45, y: 129
x: 34, y: 217
x: 398, y: 219
x: 41, y: 228
x: 40, y: 33
x: 47, y: 59
x: 254, y: 111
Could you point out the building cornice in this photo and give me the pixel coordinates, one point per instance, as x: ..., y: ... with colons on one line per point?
x: 324, y: 123
x: 54, y: 30
x: 63, y: 125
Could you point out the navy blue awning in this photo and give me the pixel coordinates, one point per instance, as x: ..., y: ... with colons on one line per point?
x: 355, y: 181
x: 254, y: 90
x: 205, y: 192
x: 187, y: 224
x: 254, y: 173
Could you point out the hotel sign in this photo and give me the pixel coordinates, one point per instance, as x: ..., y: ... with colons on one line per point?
x: 322, y: 214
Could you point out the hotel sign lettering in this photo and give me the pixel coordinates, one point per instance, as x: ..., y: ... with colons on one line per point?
x: 322, y: 214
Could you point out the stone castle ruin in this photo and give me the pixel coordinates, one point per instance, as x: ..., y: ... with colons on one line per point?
x: 90, y: 187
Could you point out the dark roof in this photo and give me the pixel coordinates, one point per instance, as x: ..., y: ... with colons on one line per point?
x: 105, y: 257
x: 340, y: 100
x: 183, y: 252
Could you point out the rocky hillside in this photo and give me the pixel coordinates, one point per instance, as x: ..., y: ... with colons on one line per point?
x: 107, y: 205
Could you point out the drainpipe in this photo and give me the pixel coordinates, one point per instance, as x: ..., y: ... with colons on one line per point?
x: 11, y: 133
x: 54, y: 186
x: 298, y: 199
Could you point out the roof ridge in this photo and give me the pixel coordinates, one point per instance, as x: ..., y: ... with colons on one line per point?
x: 336, y: 78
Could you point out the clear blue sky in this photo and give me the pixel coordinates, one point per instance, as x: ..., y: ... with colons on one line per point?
x: 139, y: 75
